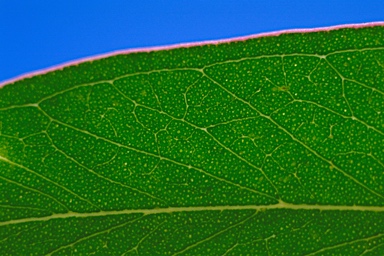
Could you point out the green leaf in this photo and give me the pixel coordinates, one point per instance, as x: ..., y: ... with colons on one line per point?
x: 267, y: 146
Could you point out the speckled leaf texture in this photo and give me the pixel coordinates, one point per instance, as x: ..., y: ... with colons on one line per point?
x: 269, y: 146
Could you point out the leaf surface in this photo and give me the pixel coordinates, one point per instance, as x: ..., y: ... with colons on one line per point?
x: 267, y: 146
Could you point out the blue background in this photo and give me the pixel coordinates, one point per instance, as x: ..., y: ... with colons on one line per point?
x: 39, y: 34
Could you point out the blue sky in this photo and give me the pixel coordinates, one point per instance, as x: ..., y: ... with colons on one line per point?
x: 39, y: 34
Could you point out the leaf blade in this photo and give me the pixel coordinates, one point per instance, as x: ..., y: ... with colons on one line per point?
x: 199, y: 150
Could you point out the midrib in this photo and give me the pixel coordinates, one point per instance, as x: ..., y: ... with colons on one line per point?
x: 280, y: 205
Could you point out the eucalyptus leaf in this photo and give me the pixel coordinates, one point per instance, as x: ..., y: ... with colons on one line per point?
x: 271, y: 145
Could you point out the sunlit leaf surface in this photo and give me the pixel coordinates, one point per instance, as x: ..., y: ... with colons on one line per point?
x: 268, y: 146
